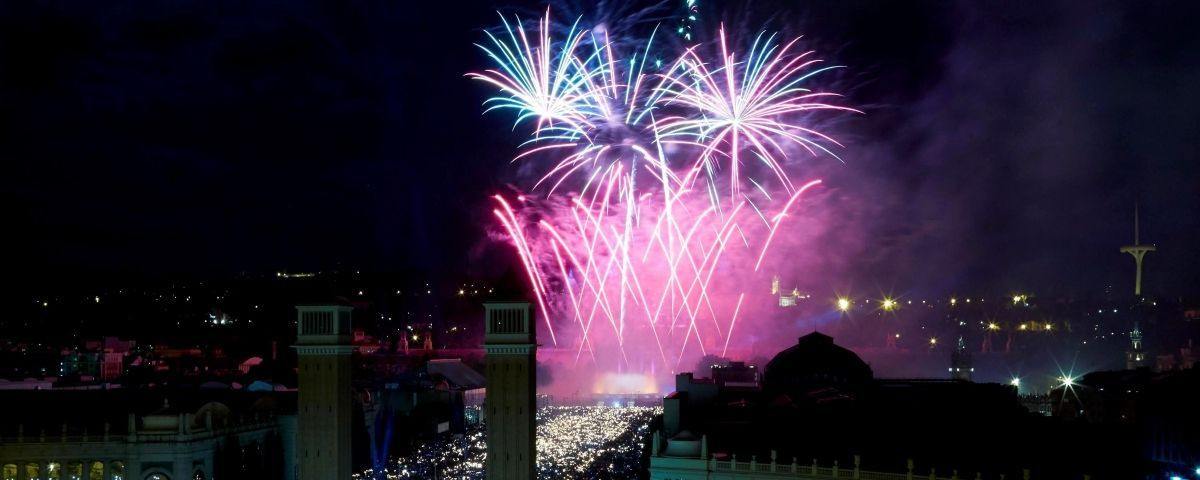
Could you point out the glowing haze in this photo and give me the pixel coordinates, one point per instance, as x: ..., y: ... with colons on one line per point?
x: 660, y: 186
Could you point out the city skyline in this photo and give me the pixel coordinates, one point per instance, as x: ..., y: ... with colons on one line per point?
x: 599, y: 240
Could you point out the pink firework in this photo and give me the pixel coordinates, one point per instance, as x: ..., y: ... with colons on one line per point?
x: 629, y: 273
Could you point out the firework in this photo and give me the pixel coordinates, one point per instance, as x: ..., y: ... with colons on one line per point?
x: 661, y: 184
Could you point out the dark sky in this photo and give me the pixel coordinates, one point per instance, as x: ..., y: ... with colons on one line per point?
x: 1003, y: 146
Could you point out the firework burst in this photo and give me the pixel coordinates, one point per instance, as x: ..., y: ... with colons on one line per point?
x: 624, y: 245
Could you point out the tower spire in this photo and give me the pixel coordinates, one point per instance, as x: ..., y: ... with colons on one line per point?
x: 1136, y: 241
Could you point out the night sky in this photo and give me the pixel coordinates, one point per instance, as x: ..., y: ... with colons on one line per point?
x: 1003, y: 143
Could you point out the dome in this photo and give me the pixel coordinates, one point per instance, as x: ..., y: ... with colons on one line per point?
x: 219, y: 412
x: 814, y: 363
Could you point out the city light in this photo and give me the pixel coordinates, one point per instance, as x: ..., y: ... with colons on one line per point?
x: 889, y: 304
x: 843, y: 304
x: 932, y: 341
x: 993, y: 326
x: 1016, y: 382
x: 1016, y: 299
x: 1066, y: 381
x: 953, y: 301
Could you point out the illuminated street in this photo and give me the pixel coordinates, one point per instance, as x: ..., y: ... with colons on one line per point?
x: 573, y: 443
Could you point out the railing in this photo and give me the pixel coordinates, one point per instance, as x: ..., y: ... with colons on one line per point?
x: 247, y: 425
x: 794, y: 470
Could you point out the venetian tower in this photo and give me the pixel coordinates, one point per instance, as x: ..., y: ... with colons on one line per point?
x: 323, y: 347
x: 509, y: 342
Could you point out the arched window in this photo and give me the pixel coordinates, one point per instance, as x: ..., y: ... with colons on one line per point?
x: 33, y: 470
x: 54, y: 471
x: 117, y: 469
x: 73, y: 471
x: 9, y: 472
x: 157, y: 476
x: 96, y: 472
x: 199, y: 475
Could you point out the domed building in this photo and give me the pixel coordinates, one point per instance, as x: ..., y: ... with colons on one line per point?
x: 817, y: 369
x: 819, y: 407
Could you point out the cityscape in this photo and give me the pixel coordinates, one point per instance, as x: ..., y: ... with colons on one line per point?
x: 659, y: 240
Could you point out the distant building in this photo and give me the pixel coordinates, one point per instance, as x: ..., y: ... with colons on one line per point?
x: 1135, y: 357
x: 1184, y: 361
x: 961, y: 367
x: 787, y: 299
x: 80, y: 363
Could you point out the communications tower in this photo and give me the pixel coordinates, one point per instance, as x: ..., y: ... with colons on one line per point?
x: 1138, y: 251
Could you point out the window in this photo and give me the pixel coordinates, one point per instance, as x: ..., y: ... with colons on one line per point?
x: 97, y: 470
x: 157, y: 476
x: 73, y: 471
x: 199, y: 475
x: 9, y: 472
x: 33, y: 470
x: 118, y: 470
x: 54, y: 471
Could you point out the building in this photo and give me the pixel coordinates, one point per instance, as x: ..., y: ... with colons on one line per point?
x: 820, y: 413
x: 510, y: 346
x: 735, y: 374
x: 1154, y: 411
x: 323, y: 346
x: 466, y: 389
x: 1135, y: 357
x: 191, y: 435
x: 75, y: 363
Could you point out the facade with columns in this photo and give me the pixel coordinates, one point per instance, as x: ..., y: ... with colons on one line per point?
x: 180, y: 446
